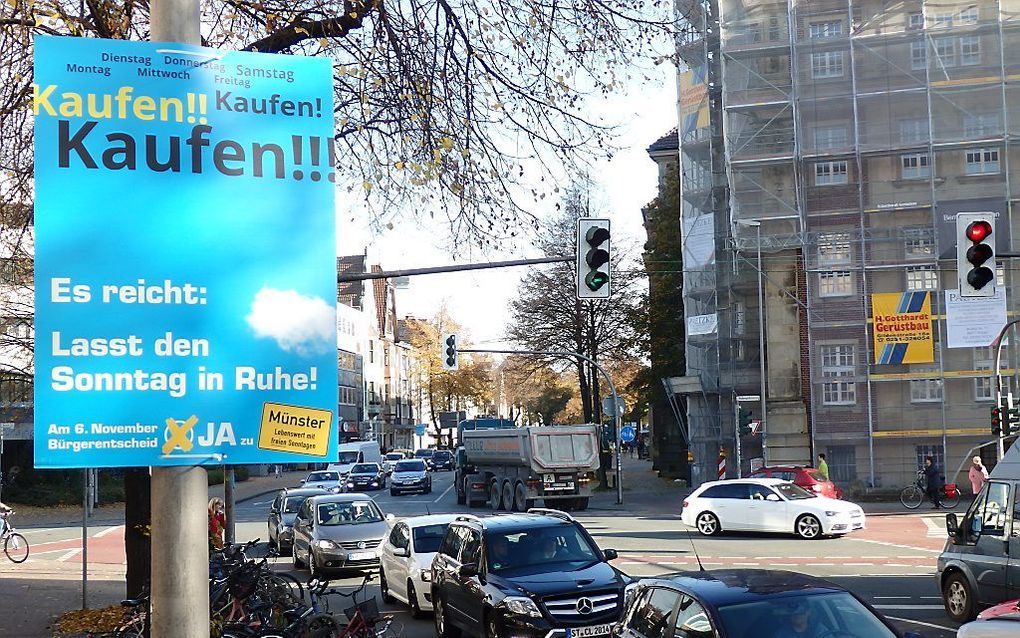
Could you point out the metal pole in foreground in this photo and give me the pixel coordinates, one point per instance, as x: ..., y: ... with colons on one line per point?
x: 85, y: 539
x: 228, y: 502
x: 761, y: 352
x: 180, y: 541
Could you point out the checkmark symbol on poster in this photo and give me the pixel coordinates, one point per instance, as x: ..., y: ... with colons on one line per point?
x: 178, y: 431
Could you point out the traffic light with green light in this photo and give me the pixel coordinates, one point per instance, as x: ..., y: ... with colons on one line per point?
x: 744, y: 422
x: 593, y: 258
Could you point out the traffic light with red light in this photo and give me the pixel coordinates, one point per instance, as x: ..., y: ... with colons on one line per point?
x: 975, y: 254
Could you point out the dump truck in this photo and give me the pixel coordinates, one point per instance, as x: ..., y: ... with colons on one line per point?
x: 511, y: 468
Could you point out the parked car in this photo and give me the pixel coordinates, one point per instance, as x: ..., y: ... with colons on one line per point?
x: 324, y: 479
x: 524, y: 575
x: 366, y: 476
x: 406, y: 558
x: 768, y: 505
x: 411, y: 475
x: 425, y: 454
x: 282, y: 513
x: 1001, y: 621
x: 807, y: 477
x: 442, y: 460
x: 338, y: 532
x: 390, y: 459
x: 748, y: 603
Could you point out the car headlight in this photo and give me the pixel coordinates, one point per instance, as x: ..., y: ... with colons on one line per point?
x: 831, y: 513
x: 325, y: 544
x: 350, y: 484
x: 375, y: 483
x: 426, y: 575
x: 521, y: 606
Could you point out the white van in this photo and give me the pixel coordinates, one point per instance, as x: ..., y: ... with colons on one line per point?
x: 356, y: 452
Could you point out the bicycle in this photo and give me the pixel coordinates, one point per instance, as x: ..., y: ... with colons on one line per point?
x: 15, y: 545
x: 912, y: 496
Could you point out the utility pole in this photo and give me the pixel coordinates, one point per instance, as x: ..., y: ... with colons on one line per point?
x: 180, y: 542
x: 228, y: 502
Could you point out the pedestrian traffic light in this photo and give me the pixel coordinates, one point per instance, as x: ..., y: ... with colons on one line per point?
x: 744, y: 421
x: 593, y: 259
x: 975, y: 254
x: 449, y: 352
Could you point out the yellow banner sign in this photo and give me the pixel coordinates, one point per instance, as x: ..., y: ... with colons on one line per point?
x: 291, y: 428
x: 901, y: 324
x: 694, y: 100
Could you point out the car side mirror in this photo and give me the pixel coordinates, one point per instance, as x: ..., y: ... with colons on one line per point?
x: 302, y: 481
x: 467, y: 571
x: 773, y: 497
x: 403, y: 552
x: 610, y: 554
x: 952, y: 525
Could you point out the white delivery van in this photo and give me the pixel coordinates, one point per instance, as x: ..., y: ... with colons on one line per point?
x: 356, y: 452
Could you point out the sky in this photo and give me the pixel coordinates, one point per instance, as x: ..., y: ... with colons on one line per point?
x: 479, y: 300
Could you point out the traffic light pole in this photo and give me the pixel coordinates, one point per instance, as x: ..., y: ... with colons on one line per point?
x: 998, y: 343
x: 736, y: 430
x: 612, y: 388
x: 432, y: 270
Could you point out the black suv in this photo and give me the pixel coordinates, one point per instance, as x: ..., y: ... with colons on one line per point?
x: 442, y: 460
x: 532, y: 575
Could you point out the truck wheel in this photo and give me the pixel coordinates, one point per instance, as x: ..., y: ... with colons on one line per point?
x: 581, y: 503
x: 495, y: 496
x: 521, y: 501
x: 508, y: 496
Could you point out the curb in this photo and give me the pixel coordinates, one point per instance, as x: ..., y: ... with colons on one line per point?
x: 257, y: 495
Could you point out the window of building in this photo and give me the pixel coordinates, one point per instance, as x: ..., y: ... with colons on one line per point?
x: 935, y: 451
x: 838, y: 370
x: 386, y: 357
x: 915, y: 21
x: 981, y: 124
x: 839, y: 283
x: 739, y: 316
x: 922, y: 278
x: 914, y: 130
x: 915, y: 166
x: 827, y: 29
x: 831, y: 173
x: 943, y: 19
x: 827, y: 137
x: 834, y: 248
x: 918, y: 55
x: 1000, y: 275
x: 828, y: 64
x: 753, y: 32
x: 968, y: 16
x: 918, y: 242
x: 945, y: 52
x: 371, y: 350
x: 15, y: 389
x: 984, y: 387
x: 925, y: 390
x: 981, y: 161
x: 775, y: 32
x: 970, y: 50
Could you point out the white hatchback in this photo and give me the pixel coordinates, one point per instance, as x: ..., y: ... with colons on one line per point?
x: 406, y: 558
x: 768, y: 505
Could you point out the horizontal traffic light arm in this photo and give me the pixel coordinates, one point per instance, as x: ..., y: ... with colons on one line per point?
x: 387, y: 274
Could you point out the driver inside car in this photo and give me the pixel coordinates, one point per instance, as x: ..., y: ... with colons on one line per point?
x: 796, y: 622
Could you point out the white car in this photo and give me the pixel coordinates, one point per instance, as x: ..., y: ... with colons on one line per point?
x: 406, y: 557
x: 324, y: 479
x: 768, y: 505
x: 1001, y: 621
x: 390, y: 459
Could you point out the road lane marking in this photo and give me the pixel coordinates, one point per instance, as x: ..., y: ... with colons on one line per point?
x: 919, y: 549
x: 68, y: 555
x: 909, y: 607
x: 923, y: 624
x: 445, y: 492
x: 106, y: 531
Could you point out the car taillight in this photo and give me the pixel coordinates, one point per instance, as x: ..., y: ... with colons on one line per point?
x: 477, y: 486
x: 685, y: 505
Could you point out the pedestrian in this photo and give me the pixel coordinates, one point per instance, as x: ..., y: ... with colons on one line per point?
x: 823, y: 467
x: 4, y: 512
x: 933, y: 477
x: 217, y: 523
x: 978, y: 475
x: 277, y: 471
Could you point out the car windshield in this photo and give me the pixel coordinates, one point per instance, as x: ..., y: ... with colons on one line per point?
x: 348, y: 457
x: 365, y: 468
x: 441, y: 456
x: 293, y: 504
x: 529, y: 548
x: 428, y: 537
x: 317, y: 477
x: 424, y: 454
x: 804, y: 615
x: 409, y: 466
x: 394, y: 456
x: 793, y: 492
x: 348, y: 513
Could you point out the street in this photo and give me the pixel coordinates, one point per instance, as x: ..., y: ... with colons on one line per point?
x: 890, y: 565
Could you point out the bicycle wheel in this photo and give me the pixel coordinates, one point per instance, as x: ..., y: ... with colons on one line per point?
x: 319, y: 626
x: 16, y: 548
x: 950, y: 501
x: 911, y: 497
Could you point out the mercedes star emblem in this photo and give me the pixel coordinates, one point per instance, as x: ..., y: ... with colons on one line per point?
x: 585, y: 606
x: 361, y: 544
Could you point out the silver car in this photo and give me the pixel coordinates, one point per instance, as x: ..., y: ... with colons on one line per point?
x: 338, y: 532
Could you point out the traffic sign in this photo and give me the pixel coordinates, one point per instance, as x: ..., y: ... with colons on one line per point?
x: 627, y: 434
x: 420, y: 429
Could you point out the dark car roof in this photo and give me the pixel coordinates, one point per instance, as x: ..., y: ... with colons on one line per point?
x: 728, y: 586
x: 512, y: 522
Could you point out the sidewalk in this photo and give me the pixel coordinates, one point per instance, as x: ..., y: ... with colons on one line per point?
x: 644, y: 493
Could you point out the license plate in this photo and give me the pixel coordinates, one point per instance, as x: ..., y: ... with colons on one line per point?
x: 360, y: 555
x: 563, y: 486
x: 586, y: 632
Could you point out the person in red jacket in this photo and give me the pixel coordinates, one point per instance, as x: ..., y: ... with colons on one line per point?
x: 217, y: 523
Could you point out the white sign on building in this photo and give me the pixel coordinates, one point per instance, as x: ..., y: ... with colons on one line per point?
x: 974, y: 322
x: 702, y: 324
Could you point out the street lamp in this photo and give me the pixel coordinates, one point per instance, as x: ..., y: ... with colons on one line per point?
x: 756, y: 224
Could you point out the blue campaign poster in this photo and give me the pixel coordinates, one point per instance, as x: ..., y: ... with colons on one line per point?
x: 185, y: 255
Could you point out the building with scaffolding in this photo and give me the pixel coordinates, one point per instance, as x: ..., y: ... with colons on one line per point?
x: 834, y: 142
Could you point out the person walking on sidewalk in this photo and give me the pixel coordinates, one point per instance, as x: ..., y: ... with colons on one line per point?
x: 823, y: 467
x: 217, y: 523
x: 933, y: 477
x: 978, y: 475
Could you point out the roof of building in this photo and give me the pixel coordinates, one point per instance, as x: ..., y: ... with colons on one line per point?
x: 667, y: 143
x: 351, y: 293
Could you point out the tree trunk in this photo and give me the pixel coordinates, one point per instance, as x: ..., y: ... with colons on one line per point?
x: 137, y: 535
